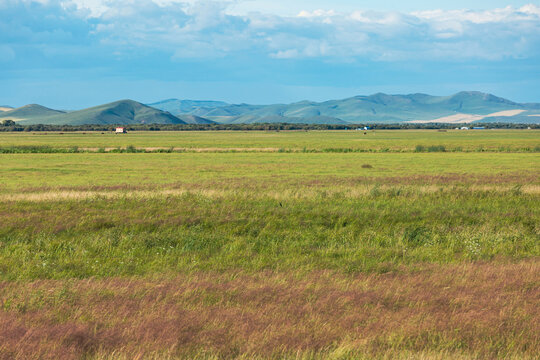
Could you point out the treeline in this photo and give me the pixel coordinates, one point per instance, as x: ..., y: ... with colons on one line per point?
x: 9, y: 125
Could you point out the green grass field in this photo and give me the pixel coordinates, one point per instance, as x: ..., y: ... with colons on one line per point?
x: 264, y: 171
x: 271, y: 254
x: 379, y: 140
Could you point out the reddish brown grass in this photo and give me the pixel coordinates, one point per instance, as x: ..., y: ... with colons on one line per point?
x: 485, y: 310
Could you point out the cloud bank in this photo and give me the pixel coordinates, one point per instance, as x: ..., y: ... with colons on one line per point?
x: 75, y: 53
x: 91, y: 31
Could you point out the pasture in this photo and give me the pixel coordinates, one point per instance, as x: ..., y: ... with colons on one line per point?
x: 374, y: 140
x: 294, y: 245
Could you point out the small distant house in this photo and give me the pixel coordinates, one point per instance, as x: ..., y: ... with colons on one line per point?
x: 464, y: 128
x: 478, y: 128
x: 121, y: 130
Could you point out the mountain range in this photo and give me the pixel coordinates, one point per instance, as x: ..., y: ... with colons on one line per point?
x: 463, y: 107
x: 467, y: 106
x: 123, y: 112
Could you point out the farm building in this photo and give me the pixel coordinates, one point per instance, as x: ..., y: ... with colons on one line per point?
x: 121, y: 130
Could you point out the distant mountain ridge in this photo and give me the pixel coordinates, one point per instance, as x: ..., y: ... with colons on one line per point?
x: 29, y: 112
x: 123, y: 112
x: 177, y: 107
x: 463, y: 107
x: 376, y: 108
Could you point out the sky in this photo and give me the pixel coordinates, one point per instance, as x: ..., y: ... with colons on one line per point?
x: 71, y: 54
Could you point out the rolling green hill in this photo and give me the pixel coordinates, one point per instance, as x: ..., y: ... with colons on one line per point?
x: 29, y: 113
x: 250, y: 119
x: 381, y: 108
x: 463, y: 107
x: 176, y: 107
x: 124, y: 112
x: 194, y: 119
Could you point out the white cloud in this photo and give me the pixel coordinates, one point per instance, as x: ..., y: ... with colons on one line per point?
x: 286, y: 54
x: 316, y: 13
x: 191, y: 29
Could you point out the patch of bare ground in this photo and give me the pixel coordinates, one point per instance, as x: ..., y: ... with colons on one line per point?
x: 481, y: 310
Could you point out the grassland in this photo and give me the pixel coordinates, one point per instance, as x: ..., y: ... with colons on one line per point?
x: 380, y: 140
x: 254, y: 254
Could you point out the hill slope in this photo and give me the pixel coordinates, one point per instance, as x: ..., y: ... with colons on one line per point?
x: 463, y: 107
x: 466, y: 106
x: 194, y: 119
x: 251, y: 119
x: 176, y: 107
x: 123, y: 112
x: 29, y: 112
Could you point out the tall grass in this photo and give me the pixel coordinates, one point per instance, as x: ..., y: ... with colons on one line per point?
x: 466, y: 311
x: 379, y: 232
x: 37, y: 149
x: 270, y: 245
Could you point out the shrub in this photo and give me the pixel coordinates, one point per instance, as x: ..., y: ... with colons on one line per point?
x: 436, y: 148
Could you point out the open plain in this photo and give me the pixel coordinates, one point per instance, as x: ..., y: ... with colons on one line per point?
x: 413, y: 244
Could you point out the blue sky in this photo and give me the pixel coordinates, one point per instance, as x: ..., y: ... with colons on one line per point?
x: 77, y: 53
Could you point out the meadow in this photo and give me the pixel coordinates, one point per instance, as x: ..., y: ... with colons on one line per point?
x: 270, y: 245
x: 374, y: 140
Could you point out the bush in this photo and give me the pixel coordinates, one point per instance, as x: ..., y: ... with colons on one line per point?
x: 436, y: 148
x: 8, y: 122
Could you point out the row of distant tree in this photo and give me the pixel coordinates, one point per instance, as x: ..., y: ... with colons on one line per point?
x: 10, y: 125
